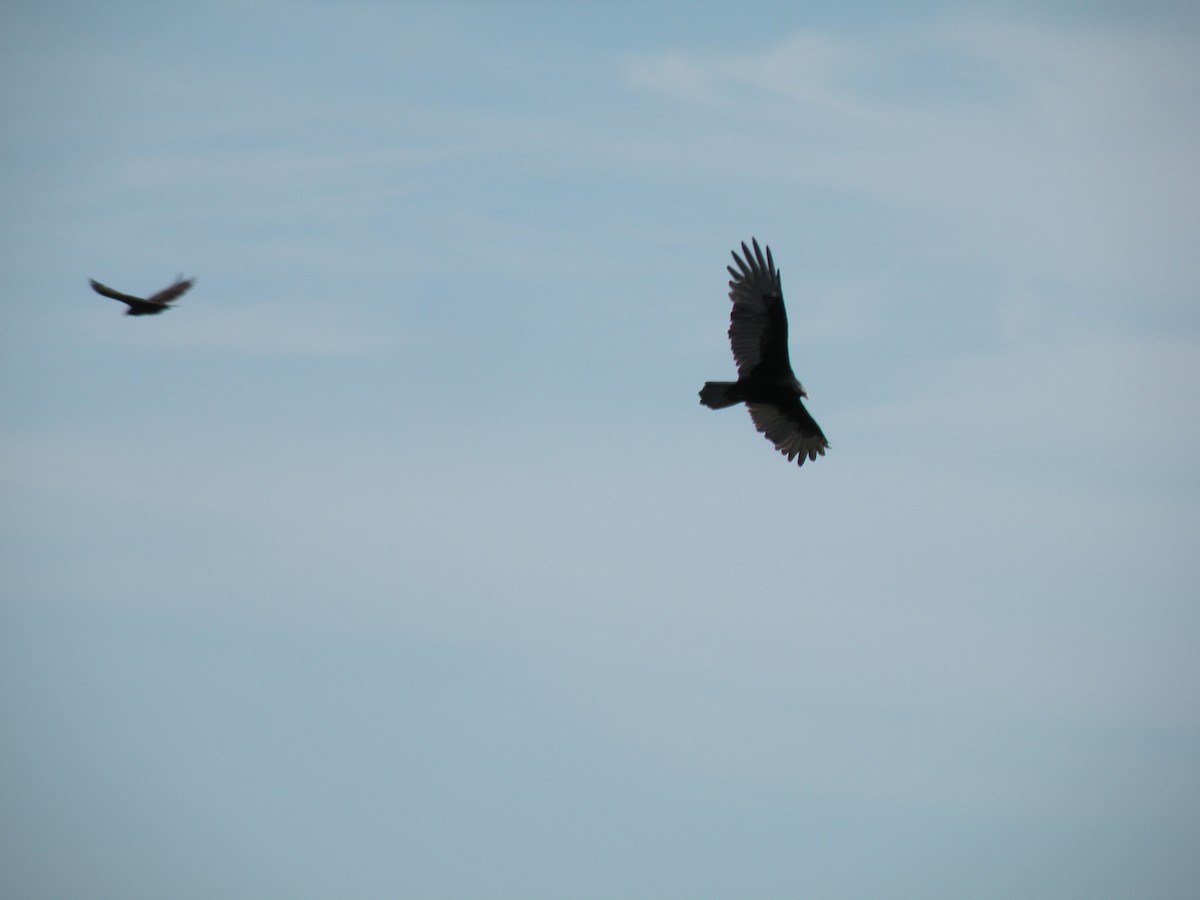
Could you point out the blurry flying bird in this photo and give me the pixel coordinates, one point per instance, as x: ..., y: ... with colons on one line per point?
x: 758, y: 333
x: 146, y: 306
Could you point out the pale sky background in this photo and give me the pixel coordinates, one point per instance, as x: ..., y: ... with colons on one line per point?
x: 400, y: 559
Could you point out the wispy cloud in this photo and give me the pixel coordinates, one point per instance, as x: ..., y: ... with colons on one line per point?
x: 272, y: 328
x: 1070, y: 151
x: 1081, y: 404
x: 805, y: 67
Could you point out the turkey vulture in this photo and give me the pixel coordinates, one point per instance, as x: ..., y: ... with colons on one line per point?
x: 766, y: 383
x: 146, y: 306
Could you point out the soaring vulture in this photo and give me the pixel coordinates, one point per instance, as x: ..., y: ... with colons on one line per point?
x: 766, y: 383
x: 146, y: 306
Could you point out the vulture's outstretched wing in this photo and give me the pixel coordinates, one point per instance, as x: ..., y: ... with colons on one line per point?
x: 758, y: 330
x: 106, y: 291
x: 790, y: 428
x: 166, y: 295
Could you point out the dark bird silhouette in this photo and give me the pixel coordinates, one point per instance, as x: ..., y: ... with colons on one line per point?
x: 146, y: 306
x: 758, y: 333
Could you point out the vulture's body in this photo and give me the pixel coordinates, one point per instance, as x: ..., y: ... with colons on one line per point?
x: 758, y: 334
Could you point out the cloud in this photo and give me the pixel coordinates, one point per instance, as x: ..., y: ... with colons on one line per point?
x: 805, y: 67
x: 1070, y: 151
x: 1084, y: 405
x: 271, y: 328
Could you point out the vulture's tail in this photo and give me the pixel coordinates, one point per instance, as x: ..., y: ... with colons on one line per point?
x: 720, y: 394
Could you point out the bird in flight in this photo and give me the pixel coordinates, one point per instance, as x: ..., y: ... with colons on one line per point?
x: 146, y: 306
x: 766, y: 383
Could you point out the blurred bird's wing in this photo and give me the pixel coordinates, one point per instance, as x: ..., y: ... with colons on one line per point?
x: 106, y: 291
x: 167, y: 294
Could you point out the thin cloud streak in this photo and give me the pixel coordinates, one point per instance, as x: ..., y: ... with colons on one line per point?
x: 1037, y: 166
x: 312, y: 330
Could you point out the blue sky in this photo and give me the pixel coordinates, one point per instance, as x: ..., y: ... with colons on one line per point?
x: 400, y: 558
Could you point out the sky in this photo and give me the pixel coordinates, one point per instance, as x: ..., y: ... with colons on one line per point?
x: 399, y: 559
